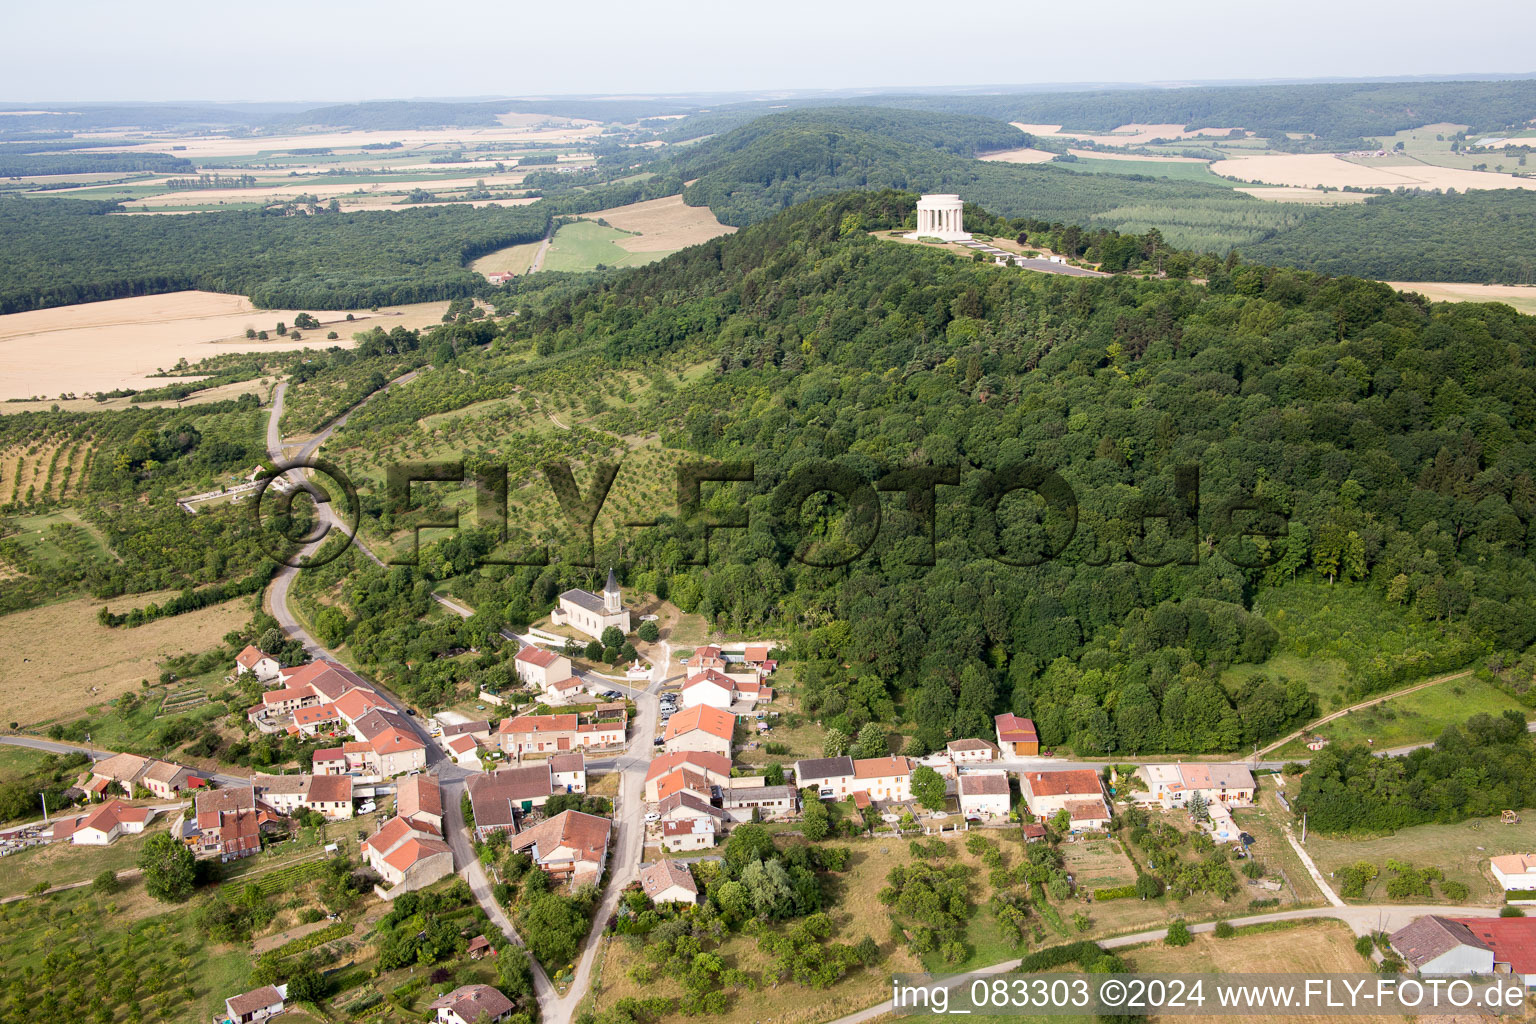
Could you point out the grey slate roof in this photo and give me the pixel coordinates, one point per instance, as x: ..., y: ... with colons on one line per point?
x: 814, y: 768
x: 584, y: 599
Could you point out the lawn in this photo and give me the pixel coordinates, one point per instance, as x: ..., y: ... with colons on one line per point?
x: 585, y: 245
x: 1418, y: 717
x: 35, y: 535
x: 58, y: 863
x: 1461, y: 851
x: 17, y: 762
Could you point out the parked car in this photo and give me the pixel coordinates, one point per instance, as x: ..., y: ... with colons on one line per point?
x: 652, y: 818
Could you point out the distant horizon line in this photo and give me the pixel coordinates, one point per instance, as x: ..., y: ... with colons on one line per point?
x: 792, y: 92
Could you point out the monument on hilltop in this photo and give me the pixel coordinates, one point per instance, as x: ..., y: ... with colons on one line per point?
x: 941, y: 216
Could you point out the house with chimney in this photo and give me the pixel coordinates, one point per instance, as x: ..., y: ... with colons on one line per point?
x: 408, y: 853
x: 700, y: 728
x: 572, y: 846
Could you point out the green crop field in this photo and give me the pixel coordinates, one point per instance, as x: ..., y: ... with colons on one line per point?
x: 585, y: 245
x: 1181, y: 170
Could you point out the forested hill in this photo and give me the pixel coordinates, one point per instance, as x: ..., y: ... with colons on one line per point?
x: 60, y: 251
x: 1397, y: 439
x: 1342, y: 111
x: 758, y: 170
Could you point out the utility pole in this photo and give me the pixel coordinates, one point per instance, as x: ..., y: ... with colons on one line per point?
x: 45, y: 807
x: 1303, y: 828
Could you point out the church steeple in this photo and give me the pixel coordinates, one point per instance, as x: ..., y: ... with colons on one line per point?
x: 611, y: 599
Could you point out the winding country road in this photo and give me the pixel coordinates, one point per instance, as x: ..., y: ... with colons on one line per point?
x: 629, y: 805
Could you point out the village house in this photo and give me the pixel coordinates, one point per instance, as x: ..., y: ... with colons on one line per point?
x: 681, y: 806
x: 970, y: 751
x: 258, y: 663
x: 496, y: 798
x: 419, y: 798
x: 356, y: 759
x: 688, y: 834
x: 256, y: 1005
x: 543, y: 669
x: 832, y: 776
x: 883, y: 778
x: 471, y: 1004
x: 759, y: 803
x: 330, y: 795
x: 1514, y: 871
x: 479, y: 730
x: 314, y: 720
x: 408, y: 853
x: 464, y: 751
x: 1078, y: 791
x: 1173, y: 785
x: 395, y: 744
x: 700, y: 728
x: 123, y: 769
x: 570, y: 846
x: 720, y: 690
x: 667, y: 882
x: 228, y: 823
x: 549, y: 734
x: 102, y: 825
x: 1016, y: 737
x: 984, y: 794
x: 709, y: 768
x: 568, y: 772
x: 590, y: 613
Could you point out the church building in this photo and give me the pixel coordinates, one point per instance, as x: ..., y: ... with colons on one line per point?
x: 591, y: 613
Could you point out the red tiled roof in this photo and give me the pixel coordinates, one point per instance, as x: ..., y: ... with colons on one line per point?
x: 585, y: 833
x: 250, y: 656
x: 708, y: 761
x: 531, y: 725
x: 354, y: 704
x: 702, y: 716
x: 1065, y: 782
x: 663, y: 875
x: 256, y: 999
x: 329, y: 789
x: 755, y: 653
x: 418, y: 794
x: 537, y: 656
x: 413, y: 850
x: 319, y: 713
x: 1013, y: 729
x: 397, y: 829
x: 881, y: 767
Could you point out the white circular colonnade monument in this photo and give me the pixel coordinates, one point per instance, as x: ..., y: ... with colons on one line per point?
x: 941, y: 216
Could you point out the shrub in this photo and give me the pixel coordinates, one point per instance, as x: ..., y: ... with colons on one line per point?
x: 1364, y: 945
x: 1224, y: 930
x: 1511, y: 912
x: 1115, y: 892
x: 1457, y: 891
x: 1178, y: 934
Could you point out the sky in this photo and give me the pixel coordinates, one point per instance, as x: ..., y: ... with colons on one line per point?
x: 348, y: 50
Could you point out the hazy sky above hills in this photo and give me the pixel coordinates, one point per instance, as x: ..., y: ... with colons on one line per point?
x: 342, y: 50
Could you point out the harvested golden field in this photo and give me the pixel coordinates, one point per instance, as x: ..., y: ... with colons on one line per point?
x: 1521, y: 296
x: 100, y: 346
x: 261, y: 388
x: 57, y: 660
x: 1314, y: 170
x: 1020, y: 156
x: 662, y: 225
x: 224, y: 147
x: 1125, y: 135
x: 1321, y: 947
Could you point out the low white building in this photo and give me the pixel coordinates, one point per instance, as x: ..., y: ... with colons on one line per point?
x: 970, y: 751
x: 688, y: 834
x: 1173, y: 785
x: 984, y: 794
x: 1514, y: 871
